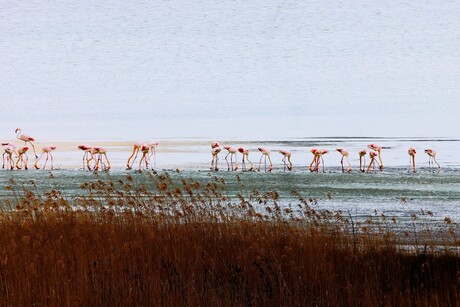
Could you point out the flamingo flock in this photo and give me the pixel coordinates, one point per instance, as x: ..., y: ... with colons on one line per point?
x: 375, y: 156
x: 95, y: 157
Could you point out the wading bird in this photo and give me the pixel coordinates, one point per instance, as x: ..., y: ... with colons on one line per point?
x: 232, y: 152
x: 345, y: 155
x: 245, y: 154
x: 362, y: 161
x: 412, y: 153
x: 265, y: 154
x: 215, y: 159
x: 286, y: 156
x: 145, y: 148
x: 378, y: 149
x: 88, y: 155
x: 431, y: 157
x: 46, y: 150
x: 22, y: 157
x: 314, y: 162
x: 26, y: 139
x: 98, y: 152
x: 8, y: 150
x: 135, y: 153
x: 373, y: 155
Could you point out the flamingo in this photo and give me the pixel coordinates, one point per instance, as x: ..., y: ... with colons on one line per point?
x: 320, y: 153
x: 265, y: 154
x: 26, y: 139
x: 345, y: 155
x: 362, y: 156
x: 232, y: 152
x: 22, y: 157
x: 286, y: 155
x: 412, y: 153
x: 215, y: 144
x: 378, y: 149
x: 145, y: 148
x: 373, y: 155
x: 245, y: 153
x: 14, y: 151
x: 101, y: 151
x: 431, y: 157
x: 315, y: 159
x: 215, y: 151
x: 8, y: 151
x: 88, y: 155
x: 46, y: 150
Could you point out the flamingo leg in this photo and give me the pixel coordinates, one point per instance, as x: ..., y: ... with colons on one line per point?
x: 36, y: 161
x: 434, y: 159
x: 252, y: 164
x: 108, y: 162
x: 284, y: 164
x: 236, y: 162
x: 341, y: 163
x: 370, y: 165
x: 33, y: 147
x: 140, y: 162
x: 271, y: 164
x: 25, y: 159
x: 349, y: 165
x: 260, y: 162
x: 226, y: 159
x: 243, y: 164
x: 135, y: 152
x: 47, y: 156
x: 52, y: 161
x: 381, y: 162
x: 217, y: 161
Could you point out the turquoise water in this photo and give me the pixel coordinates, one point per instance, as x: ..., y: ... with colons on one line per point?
x: 393, y: 192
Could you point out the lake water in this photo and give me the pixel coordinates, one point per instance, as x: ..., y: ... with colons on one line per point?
x: 395, y: 192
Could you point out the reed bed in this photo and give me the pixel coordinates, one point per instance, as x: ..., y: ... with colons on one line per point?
x: 179, y: 243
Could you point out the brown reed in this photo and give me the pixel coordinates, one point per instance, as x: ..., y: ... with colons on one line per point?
x: 180, y: 243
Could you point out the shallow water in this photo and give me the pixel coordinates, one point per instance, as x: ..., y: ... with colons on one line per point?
x: 430, y: 194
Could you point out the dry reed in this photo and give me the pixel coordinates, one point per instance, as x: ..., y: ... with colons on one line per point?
x: 184, y: 243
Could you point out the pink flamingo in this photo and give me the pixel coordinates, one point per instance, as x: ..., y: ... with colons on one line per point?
x: 412, y: 153
x: 345, y: 155
x: 362, y: 156
x: 317, y: 158
x: 314, y: 162
x: 321, y: 153
x: 378, y: 149
x: 245, y: 153
x: 88, y: 155
x: 215, y: 144
x: 373, y: 156
x: 232, y: 152
x: 431, y: 157
x: 215, y: 159
x: 14, y: 151
x: 265, y: 154
x: 8, y: 151
x: 286, y: 155
x: 101, y: 151
x: 145, y: 148
x: 46, y: 150
x: 26, y: 139
x: 22, y: 157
